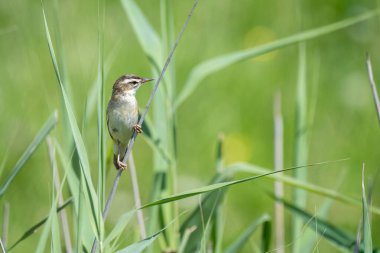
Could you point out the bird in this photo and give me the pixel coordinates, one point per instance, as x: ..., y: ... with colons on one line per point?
x: 122, y: 115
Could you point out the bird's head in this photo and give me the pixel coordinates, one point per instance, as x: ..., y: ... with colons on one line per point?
x: 129, y: 84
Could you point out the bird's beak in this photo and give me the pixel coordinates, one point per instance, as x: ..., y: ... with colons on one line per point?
x: 145, y: 80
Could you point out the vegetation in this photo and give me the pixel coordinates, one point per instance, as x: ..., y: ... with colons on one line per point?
x: 219, y: 72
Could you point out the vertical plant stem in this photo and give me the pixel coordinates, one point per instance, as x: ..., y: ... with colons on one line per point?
x: 57, y: 186
x: 100, y: 118
x: 373, y: 87
x: 278, y: 165
x: 301, y: 145
x: 2, y: 246
x: 4, y: 234
x: 136, y: 196
x: 100, y: 103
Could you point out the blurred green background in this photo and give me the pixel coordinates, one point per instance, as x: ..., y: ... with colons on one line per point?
x: 236, y: 101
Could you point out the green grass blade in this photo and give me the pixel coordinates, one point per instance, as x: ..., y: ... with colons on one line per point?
x: 88, y: 187
x: 244, y: 167
x: 213, y: 65
x: 309, y: 239
x: 373, y: 87
x: 150, y: 136
x: 146, y: 35
x: 301, y: 146
x: 56, y: 246
x: 185, y: 239
x: 2, y: 247
x: 4, y: 161
x: 100, y: 103
x: 40, y: 137
x: 219, y: 221
x: 217, y: 186
x: 205, y: 239
x: 367, y: 237
x: 238, y: 244
x: 120, y: 226
x: 100, y: 120
x: 269, y: 174
x: 335, y: 235
x: 141, y: 245
x: 44, y: 236
x: 35, y: 227
x: 204, y: 212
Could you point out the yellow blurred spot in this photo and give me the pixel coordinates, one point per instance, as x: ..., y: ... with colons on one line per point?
x: 257, y: 36
x: 237, y: 148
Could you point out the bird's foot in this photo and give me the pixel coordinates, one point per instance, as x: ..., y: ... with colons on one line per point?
x: 137, y: 128
x: 121, y: 165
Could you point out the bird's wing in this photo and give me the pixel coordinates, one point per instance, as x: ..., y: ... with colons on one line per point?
x: 108, y: 125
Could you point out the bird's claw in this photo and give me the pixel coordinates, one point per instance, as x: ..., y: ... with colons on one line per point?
x: 121, y: 165
x: 137, y: 128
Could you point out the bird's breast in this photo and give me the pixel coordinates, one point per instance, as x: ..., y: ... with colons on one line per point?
x: 122, y: 115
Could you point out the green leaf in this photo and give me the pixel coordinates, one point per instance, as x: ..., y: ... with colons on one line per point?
x: 367, y: 237
x: 264, y: 221
x: 150, y: 136
x: 2, y: 247
x: 35, y: 227
x: 301, y: 145
x: 146, y: 35
x: 250, y: 168
x: 244, y: 167
x: 88, y: 187
x: 213, y: 65
x: 141, y: 245
x: 40, y: 137
x: 121, y: 223
x: 204, y: 212
x: 335, y: 235
x: 101, y: 121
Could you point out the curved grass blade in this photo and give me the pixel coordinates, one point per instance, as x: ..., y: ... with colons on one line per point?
x: 35, y: 227
x: 265, y: 222
x: 367, y: 237
x: 217, y: 186
x: 40, y: 137
x: 204, y: 212
x: 335, y: 235
x: 146, y: 35
x: 88, y: 187
x: 139, y: 246
x: 185, y: 239
x: 309, y: 240
x: 120, y: 226
x: 243, y: 167
x: 218, y: 63
x: 143, y: 244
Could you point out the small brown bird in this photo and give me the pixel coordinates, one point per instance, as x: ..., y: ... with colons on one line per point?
x: 122, y: 114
